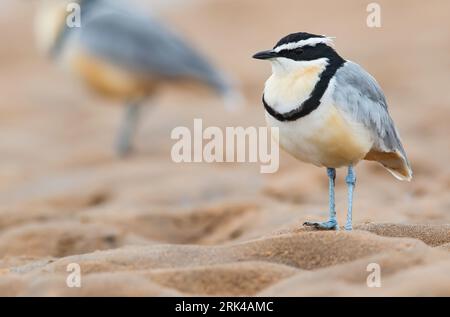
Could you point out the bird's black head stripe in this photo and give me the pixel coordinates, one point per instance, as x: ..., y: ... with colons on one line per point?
x: 295, y: 37
x: 314, y: 99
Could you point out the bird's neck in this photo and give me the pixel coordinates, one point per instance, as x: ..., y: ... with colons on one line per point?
x: 292, y: 82
x: 290, y: 95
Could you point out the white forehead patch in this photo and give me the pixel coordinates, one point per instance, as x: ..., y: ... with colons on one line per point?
x: 309, y: 42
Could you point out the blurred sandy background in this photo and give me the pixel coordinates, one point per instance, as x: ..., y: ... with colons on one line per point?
x: 147, y: 226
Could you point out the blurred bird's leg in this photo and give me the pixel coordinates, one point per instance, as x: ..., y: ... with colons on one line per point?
x: 351, y: 181
x: 332, y: 222
x: 127, y: 129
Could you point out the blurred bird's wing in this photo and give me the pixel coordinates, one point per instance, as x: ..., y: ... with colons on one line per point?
x: 358, y: 95
x: 145, y: 46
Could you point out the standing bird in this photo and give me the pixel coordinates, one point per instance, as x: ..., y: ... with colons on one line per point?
x: 330, y: 112
x: 123, y: 54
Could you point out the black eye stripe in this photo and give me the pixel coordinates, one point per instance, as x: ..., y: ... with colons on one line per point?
x: 298, y: 49
x: 309, y: 52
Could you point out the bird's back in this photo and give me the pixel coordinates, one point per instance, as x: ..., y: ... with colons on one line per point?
x: 359, y: 97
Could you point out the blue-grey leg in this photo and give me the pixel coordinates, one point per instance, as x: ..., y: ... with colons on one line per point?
x: 332, y: 222
x: 127, y: 129
x: 351, y: 181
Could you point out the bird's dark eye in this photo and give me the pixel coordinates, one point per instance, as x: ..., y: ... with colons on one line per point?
x: 298, y: 50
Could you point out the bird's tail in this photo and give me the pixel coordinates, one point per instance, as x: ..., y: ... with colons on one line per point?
x: 401, y: 169
x: 395, y: 162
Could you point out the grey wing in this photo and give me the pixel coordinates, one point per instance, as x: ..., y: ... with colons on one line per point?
x: 143, y: 45
x: 358, y: 95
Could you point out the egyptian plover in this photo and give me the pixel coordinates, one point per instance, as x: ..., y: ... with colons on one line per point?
x: 124, y: 54
x: 330, y: 112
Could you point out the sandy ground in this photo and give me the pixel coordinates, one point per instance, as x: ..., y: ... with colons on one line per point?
x: 149, y: 227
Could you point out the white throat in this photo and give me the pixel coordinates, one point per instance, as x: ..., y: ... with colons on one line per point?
x: 292, y: 82
x: 282, y: 66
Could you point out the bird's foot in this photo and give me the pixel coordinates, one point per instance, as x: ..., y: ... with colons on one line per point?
x: 326, y: 225
x: 348, y: 227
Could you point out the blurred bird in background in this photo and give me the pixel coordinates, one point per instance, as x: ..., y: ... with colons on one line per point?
x: 124, y: 54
